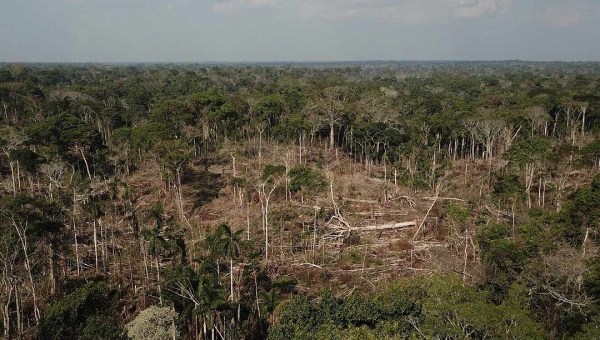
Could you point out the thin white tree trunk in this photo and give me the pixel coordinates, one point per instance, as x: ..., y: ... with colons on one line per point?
x: 76, y: 248
x: 6, y: 308
x: 96, y: 246
x: 466, y: 255
x: 87, y: 167
x: 231, y: 277
x: 23, y: 239
x: 158, y: 281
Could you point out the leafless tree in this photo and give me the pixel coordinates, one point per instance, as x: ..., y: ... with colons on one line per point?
x: 538, y: 119
x: 561, y: 276
x: 12, y: 141
x: 265, y: 190
x: 486, y: 131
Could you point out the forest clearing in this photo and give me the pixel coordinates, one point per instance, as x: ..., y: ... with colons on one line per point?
x: 373, y: 200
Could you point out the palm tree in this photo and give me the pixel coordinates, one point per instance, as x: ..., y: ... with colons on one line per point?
x: 270, y: 301
x: 231, y: 243
x: 156, y: 241
x: 208, y: 301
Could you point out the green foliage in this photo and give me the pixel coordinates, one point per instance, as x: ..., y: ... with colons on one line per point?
x: 451, y: 310
x: 211, y: 297
x: 121, y: 136
x: 144, y: 137
x: 86, y: 313
x: 333, y: 317
x: 459, y: 214
x: 272, y: 171
x: 359, y: 311
x: 592, y: 279
x: 28, y: 160
x: 590, y: 154
x: 63, y: 131
x: 173, y: 154
x: 172, y: 279
x: 43, y: 218
x: 430, y: 307
x: 582, y: 212
x: 163, y: 239
x: 305, y: 179
x: 215, y: 111
x: 224, y: 242
x: 154, y: 323
x: 508, y: 187
x: 408, y: 117
x: 230, y: 241
x: 103, y: 327
x: 504, y: 258
x: 528, y: 151
x: 269, y: 110
x: 238, y: 182
x: 590, y: 331
x: 173, y: 114
x: 587, y: 205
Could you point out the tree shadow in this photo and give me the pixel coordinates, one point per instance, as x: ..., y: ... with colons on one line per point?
x: 203, y: 186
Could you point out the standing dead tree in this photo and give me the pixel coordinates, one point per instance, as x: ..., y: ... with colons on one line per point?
x: 265, y: 190
x: 21, y: 229
x: 10, y: 141
x: 537, y: 119
x: 439, y: 187
x: 486, y: 131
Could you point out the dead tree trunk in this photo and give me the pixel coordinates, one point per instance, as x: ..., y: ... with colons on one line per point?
x: 23, y: 239
x: 265, y: 197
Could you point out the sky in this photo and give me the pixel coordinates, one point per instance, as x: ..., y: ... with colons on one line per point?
x: 297, y: 30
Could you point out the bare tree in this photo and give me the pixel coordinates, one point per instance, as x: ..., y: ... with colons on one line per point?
x: 486, y: 131
x: 538, y: 119
x: 260, y: 129
x: 9, y: 251
x: 583, y: 109
x: 287, y: 159
x: 56, y: 173
x: 265, y: 190
x: 21, y: 229
x: 11, y: 140
x: 311, y: 111
x: 561, y: 276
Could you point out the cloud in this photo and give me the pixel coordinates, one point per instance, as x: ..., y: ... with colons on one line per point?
x: 235, y: 5
x: 310, y: 9
x: 469, y: 9
x: 406, y: 11
x: 564, y: 16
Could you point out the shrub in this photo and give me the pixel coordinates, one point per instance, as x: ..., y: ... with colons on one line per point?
x: 154, y: 323
x: 86, y: 313
x: 303, y: 178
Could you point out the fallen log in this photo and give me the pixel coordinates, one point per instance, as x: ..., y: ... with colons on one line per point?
x: 444, y: 199
x: 360, y: 201
x: 380, y: 213
x: 307, y: 264
x: 385, y: 226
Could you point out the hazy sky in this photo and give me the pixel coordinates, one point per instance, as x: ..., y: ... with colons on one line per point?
x: 298, y: 30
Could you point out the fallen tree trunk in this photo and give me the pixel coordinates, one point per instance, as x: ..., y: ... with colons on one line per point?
x: 380, y: 213
x: 385, y: 226
x: 444, y: 199
x: 360, y: 201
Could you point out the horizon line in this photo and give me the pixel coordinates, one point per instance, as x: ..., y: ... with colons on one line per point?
x: 246, y: 62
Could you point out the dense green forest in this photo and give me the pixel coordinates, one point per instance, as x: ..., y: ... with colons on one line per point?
x: 359, y: 200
